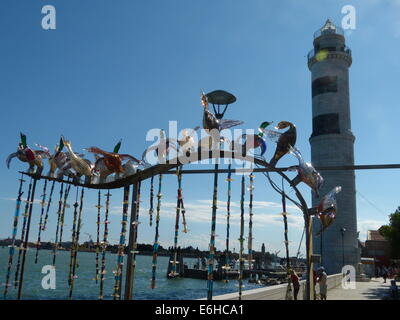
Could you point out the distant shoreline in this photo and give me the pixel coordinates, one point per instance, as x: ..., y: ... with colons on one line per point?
x: 93, y: 250
x: 143, y: 249
x: 147, y: 250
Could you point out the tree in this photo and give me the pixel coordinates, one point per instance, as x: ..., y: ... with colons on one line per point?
x: 391, y: 233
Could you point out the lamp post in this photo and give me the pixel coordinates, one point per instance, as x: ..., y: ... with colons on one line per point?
x: 220, y: 98
x: 342, y: 231
x: 216, y: 98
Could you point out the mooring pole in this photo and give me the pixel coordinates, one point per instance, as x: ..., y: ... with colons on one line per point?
x: 132, y: 245
x: 25, y: 247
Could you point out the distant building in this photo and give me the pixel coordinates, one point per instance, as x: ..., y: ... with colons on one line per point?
x: 263, y: 263
x: 377, y: 247
x: 89, y: 244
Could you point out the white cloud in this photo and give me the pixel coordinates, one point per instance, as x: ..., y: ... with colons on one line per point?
x: 294, y: 220
x: 199, y: 211
x: 365, y: 225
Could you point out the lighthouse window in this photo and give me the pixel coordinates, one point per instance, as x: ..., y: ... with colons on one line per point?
x: 325, y: 124
x: 323, y: 85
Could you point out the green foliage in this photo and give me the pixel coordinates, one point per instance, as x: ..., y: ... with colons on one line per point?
x: 391, y: 233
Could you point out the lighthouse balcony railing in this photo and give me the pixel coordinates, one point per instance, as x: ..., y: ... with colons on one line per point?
x: 314, y: 52
x: 323, y: 32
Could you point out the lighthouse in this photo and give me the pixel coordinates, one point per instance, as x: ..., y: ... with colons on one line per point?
x: 332, y: 144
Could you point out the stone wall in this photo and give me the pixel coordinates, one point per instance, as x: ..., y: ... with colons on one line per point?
x: 278, y: 292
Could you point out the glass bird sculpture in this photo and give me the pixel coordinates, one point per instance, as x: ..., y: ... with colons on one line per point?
x: 212, y: 125
x: 283, y: 140
x: 60, y: 163
x: 211, y: 122
x: 82, y: 167
x: 327, y: 208
x: 306, y: 173
x: 162, y: 149
x: 25, y: 154
x: 111, y: 162
x: 247, y: 142
x: 187, y: 143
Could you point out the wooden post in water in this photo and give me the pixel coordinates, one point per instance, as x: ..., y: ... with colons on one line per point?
x: 132, y: 245
x: 25, y: 247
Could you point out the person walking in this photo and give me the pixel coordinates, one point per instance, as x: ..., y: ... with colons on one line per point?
x: 377, y: 272
x: 315, y: 277
x: 394, y: 291
x: 384, y: 273
x: 322, y: 280
x: 296, y: 283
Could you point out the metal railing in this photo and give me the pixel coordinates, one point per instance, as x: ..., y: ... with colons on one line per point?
x: 314, y: 52
x: 323, y: 32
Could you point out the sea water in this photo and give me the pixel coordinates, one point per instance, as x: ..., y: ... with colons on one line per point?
x: 85, y: 286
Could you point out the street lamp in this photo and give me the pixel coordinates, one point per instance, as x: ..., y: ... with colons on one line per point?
x: 343, y: 230
x: 216, y: 98
x: 219, y: 98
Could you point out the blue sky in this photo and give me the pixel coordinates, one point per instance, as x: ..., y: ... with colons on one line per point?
x: 115, y: 70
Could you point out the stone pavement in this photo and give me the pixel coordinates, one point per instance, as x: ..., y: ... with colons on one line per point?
x: 372, y: 290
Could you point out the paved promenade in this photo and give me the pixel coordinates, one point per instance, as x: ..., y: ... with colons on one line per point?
x: 372, y: 290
